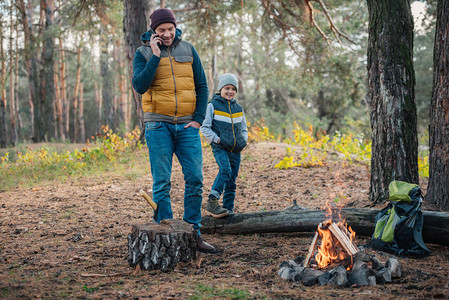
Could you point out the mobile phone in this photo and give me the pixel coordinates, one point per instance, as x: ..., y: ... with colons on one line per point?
x: 153, y: 33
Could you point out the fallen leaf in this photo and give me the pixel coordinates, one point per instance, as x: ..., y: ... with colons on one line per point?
x: 198, y: 262
x: 136, y: 271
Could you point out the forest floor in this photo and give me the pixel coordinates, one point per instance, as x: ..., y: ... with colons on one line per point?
x: 69, y: 240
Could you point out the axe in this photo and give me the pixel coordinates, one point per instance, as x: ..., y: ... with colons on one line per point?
x: 150, y: 201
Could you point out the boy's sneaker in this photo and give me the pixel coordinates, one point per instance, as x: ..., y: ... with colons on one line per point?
x: 214, y: 209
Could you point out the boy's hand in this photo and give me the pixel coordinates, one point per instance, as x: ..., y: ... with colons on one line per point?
x: 155, y: 41
x: 193, y: 124
x: 218, y: 142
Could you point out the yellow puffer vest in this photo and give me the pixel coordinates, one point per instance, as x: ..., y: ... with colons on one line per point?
x: 172, y: 92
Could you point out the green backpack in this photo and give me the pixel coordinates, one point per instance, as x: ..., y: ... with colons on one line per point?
x: 398, y: 227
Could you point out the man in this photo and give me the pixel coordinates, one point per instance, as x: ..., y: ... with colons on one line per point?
x: 169, y: 75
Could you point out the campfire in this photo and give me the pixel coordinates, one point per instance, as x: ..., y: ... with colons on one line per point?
x: 334, y: 258
x: 337, y: 243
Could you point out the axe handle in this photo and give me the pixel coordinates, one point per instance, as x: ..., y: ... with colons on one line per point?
x: 151, y: 202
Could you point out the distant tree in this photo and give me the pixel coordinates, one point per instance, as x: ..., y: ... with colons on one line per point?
x: 423, y: 52
x: 135, y: 22
x: 44, y: 118
x: 391, y: 83
x: 13, y: 112
x: 438, y: 189
x: 3, y: 102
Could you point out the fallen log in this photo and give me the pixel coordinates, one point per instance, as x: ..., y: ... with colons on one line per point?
x: 435, y: 229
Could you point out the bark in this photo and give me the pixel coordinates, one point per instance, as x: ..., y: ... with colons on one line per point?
x: 3, y: 103
x: 98, y: 100
x: 16, y: 89
x: 213, y: 73
x: 438, y: 189
x: 240, y: 63
x: 82, y: 129
x: 107, y: 81
x: 63, y: 93
x: 46, y: 120
x: 391, y: 96
x: 435, y: 229
x: 58, y: 102
x: 29, y: 57
x: 135, y: 22
x: 123, y: 100
x: 161, y: 246
x: 12, y: 100
x: 74, y: 122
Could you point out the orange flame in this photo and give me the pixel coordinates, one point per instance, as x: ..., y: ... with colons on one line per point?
x: 331, y: 252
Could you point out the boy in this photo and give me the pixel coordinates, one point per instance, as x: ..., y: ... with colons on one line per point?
x: 225, y: 127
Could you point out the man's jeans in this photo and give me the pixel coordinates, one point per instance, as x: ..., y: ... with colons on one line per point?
x: 164, y: 139
x: 228, y: 164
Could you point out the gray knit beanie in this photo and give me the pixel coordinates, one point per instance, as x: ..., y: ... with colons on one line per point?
x: 226, y: 79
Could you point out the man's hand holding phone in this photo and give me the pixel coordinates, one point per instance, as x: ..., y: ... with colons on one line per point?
x: 155, y: 41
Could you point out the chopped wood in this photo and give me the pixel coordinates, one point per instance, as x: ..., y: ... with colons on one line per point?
x: 343, y: 239
x: 311, y: 249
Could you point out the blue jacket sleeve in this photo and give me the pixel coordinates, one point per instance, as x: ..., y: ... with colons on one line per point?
x: 245, y: 128
x: 201, y: 90
x: 143, y: 71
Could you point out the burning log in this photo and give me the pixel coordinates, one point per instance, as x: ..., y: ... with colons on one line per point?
x: 435, y: 229
x: 311, y: 249
x: 343, y: 239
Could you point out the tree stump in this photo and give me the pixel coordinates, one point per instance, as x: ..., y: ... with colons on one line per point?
x: 161, y: 245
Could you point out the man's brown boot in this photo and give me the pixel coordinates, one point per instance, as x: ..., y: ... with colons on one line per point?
x: 214, y: 209
x: 203, y: 246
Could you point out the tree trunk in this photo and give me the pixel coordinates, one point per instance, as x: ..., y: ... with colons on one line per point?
x: 435, y: 229
x: 3, y: 103
x: 107, y: 81
x: 98, y: 101
x: 135, y: 22
x: 123, y: 100
x: 58, y: 101
x: 212, y: 73
x: 74, y: 122
x: 16, y: 89
x: 438, y: 189
x: 240, y: 63
x: 161, y: 246
x: 82, y: 129
x: 47, y: 93
x: 29, y: 57
x: 64, y: 105
x: 391, y: 96
x: 12, y: 100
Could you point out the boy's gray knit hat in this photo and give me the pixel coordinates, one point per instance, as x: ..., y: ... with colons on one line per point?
x: 226, y: 79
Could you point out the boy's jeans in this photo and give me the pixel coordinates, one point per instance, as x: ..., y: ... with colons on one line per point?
x: 164, y: 140
x: 228, y: 164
